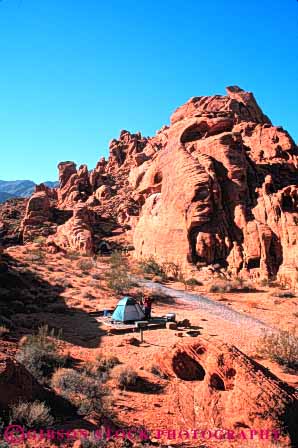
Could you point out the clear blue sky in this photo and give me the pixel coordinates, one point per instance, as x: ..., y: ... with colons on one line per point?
x: 74, y: 73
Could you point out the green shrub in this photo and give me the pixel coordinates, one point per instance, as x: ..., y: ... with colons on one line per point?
x: 127, y: 379
x: 81, y: 389
x: 118, y: 276
x: 281, y: 347
x: 31, y: 415
x: 150, y: 266
x: 39, y: 354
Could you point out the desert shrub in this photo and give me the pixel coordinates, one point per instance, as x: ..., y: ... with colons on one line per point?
x: 39, y: 240
x: 39, y: 354
x: 92, y: 442
x: 150, y: 266
x: 3, y: 330
x: 106, y: 364
x: 281, y: 347
x: 127, y: 379
x: 231, y: 286
x: 221, y: 286
x: 285, y: 294
x: 81, y: 389
x: 192, y: 282
x: 85, y: 265
x: 97, y: 276
x: 118, y: 278
x: 101, y: 367
x: 264, y: 282
x: 31, y: 415
x: 171, y: 270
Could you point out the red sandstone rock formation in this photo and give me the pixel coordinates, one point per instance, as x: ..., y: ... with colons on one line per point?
x: 75, y: 234
x: 38, y: 220
x: 220, y: 386
x: 217, y: 187
x: 221, y: 191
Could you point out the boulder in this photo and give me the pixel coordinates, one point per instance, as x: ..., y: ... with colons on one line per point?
x: 219, y: 386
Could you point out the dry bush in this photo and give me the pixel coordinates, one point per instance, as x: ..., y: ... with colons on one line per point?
x: 281, y: 347
x: 231, y: 286
x: 39, y: 354
x: 81, y: 389
x: 85, y: 265
x: 31, y: 415
x: 92, y: 442
x: 127, y: 379
x: 118, y: 278
x: 151, y: 267
x: 171, y: 270
x: 283, y: 294
x: 101, y: 367
x: 105, y: 364
x: 193, y: 282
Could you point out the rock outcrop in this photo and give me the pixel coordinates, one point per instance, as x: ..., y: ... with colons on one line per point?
x: 38, y: 220
x: 218, y: 386
x: 75, y: 234
x: 218, y: 187
x: 221, y: 191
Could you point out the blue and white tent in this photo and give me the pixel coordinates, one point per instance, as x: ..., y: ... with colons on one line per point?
x: 127, y: 310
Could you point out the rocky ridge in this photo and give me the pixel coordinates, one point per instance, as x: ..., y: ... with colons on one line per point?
x: 217, y: 188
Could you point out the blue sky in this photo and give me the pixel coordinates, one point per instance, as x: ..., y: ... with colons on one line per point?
x: 74, y: 73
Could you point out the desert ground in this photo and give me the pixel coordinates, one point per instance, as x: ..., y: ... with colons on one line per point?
x: 70, y: 292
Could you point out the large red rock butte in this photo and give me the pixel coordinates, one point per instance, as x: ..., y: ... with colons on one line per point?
x: 218, y: 187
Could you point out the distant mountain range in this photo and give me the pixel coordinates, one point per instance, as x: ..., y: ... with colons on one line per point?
x: 19, y: 188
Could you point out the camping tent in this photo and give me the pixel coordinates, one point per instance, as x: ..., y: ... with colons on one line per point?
x: 128, y: 310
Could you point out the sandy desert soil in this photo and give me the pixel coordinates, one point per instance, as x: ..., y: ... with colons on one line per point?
x: 81, y: 295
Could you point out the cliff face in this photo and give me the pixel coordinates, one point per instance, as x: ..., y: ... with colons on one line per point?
x: 219, y: 186
x: 223, y: 190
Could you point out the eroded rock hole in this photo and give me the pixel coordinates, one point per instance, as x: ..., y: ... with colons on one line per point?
x: 287, y: 203
x: 158, y: 178
x: 193, y: 133
x: 216, y: 382
x: 188, y: 369
x: 253, y: 263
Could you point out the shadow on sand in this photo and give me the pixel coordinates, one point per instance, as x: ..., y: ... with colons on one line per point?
x: 29, y: 301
